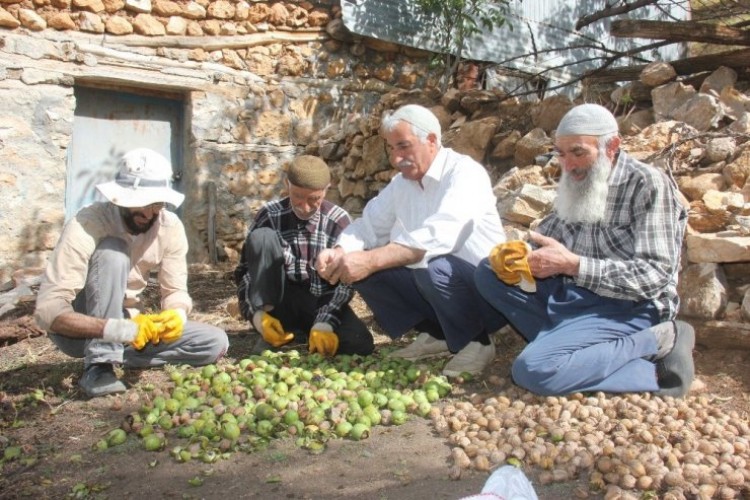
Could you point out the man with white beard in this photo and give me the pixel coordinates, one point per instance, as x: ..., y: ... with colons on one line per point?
x: 605, y: 263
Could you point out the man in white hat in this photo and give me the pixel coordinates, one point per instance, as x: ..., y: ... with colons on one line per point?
x: 413, y: 253
x: 88, y: 300
x: 605, y: 263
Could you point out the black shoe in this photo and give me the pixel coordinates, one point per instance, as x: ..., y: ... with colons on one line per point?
x: 99, y: 380
x: 675, y: 371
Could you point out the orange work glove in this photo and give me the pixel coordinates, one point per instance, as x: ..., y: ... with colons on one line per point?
x: 170, y: 324
x: 323, y: 340
x: 509, y: 261
x: 271, y: 330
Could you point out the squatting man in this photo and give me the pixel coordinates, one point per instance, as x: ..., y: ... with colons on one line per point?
x: 88, y: 300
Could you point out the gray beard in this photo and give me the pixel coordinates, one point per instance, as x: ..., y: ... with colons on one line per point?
x: 586, y: 200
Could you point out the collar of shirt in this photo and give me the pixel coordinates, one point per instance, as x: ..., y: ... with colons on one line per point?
x: 619, y: 173
x: 437, y: 167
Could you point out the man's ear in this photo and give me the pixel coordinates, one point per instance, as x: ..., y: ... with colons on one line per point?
x: 612, y: 146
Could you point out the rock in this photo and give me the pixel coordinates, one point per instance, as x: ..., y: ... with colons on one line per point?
x: 31, y: 20
x: 657, y: 73
x: 148, y: 25
x: 667, y: 98
x: 714, y: 248
x: 7, y: 20
x: 549, y: 112
x: 695, y: 187
x: 702, y: 289
x: 506, y: 146
x: 719, y: 149
x: 278, y: 15
x: 474, y: 137
x: 166, y: 8
x: 529, y: 204
x: 718, y: 80
x: 703, y: 220
x: 701, y: 111
x: 737, y: 171
x: 633, y: 123
x: 735, y: 103
x: 118, y: 25
x: 221, y: 9
x: 91, y: 22
x: 530, y: 146
x: 61, y: 21
x: 194, y: 11
x: 176, y: 26
x: 142, y: 6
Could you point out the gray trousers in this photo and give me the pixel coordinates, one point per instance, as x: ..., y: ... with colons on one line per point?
x: 103, y: 296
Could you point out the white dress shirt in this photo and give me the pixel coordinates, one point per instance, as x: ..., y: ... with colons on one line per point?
x: 453, y: 211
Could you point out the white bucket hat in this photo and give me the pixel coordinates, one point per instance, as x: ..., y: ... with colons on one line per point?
x: 144, y: 177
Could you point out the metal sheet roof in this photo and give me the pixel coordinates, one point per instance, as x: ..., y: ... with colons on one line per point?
x: 538, y: 26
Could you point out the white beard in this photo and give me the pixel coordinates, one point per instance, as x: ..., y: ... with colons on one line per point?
x: 585, y: 200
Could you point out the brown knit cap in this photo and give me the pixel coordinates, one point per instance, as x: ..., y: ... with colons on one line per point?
x: 309, y: 172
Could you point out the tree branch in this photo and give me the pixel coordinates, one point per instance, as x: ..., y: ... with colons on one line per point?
x: 610, y: 11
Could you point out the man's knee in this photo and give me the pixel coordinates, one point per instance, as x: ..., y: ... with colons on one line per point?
x: 113, y: 250
x: 535, y: 377
x: 217, y: 346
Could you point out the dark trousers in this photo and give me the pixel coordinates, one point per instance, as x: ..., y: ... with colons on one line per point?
x: 293, y: 303
x: 441, y: 300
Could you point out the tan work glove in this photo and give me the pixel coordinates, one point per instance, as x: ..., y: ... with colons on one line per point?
x: 323, y: 339
x: 509, y: 261
x: 169, y: 324
x: 137, y: 331
x: 270, y: 329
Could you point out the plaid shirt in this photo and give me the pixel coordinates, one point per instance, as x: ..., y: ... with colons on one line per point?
x: 302, y: 241
x: 634, y: 252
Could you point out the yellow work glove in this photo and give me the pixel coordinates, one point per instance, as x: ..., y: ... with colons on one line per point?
x: 510, y: 262
x: 170, y: 324
x: 270, y: 329
x: 147, y: 331
x: 323, y: 340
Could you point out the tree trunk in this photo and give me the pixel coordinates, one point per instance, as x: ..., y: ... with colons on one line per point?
x: 737, y: 59
x: 683, y: 31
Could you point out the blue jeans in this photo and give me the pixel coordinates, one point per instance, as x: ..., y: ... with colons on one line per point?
x: 578, y: 340
x: 443, y: 294
x: 103, y: 296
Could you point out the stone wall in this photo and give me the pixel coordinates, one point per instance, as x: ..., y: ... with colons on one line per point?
x: 262, y: 82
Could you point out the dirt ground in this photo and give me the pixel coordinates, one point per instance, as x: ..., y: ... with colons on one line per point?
x: 42, y: 410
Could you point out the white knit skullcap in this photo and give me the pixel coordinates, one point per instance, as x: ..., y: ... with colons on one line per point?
x: 416, y: 115
x: 587, y: 119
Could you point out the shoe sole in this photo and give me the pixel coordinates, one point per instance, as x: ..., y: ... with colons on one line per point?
x: 676, y: 371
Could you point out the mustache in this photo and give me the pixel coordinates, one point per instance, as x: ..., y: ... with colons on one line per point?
x: 404, y: 164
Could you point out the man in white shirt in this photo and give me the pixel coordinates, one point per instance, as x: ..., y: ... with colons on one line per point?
x: 413, y: 253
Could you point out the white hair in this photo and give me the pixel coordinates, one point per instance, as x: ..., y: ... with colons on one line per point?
x: 423, y: 121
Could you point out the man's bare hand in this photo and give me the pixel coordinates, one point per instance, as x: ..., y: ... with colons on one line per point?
x: 328, y: 262
x: 551, y: 258
x: 355, y: 266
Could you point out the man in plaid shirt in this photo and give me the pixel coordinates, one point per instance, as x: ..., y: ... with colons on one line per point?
x: 278, y: 288
x: 605, y: 264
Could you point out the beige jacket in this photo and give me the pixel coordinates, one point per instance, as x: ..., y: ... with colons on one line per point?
x: 164, y: 247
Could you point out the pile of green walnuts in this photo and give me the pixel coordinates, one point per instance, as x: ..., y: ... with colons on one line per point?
x: 217, y: 409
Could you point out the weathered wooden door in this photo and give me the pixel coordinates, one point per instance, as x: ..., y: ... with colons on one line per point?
x: 109, y: 123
